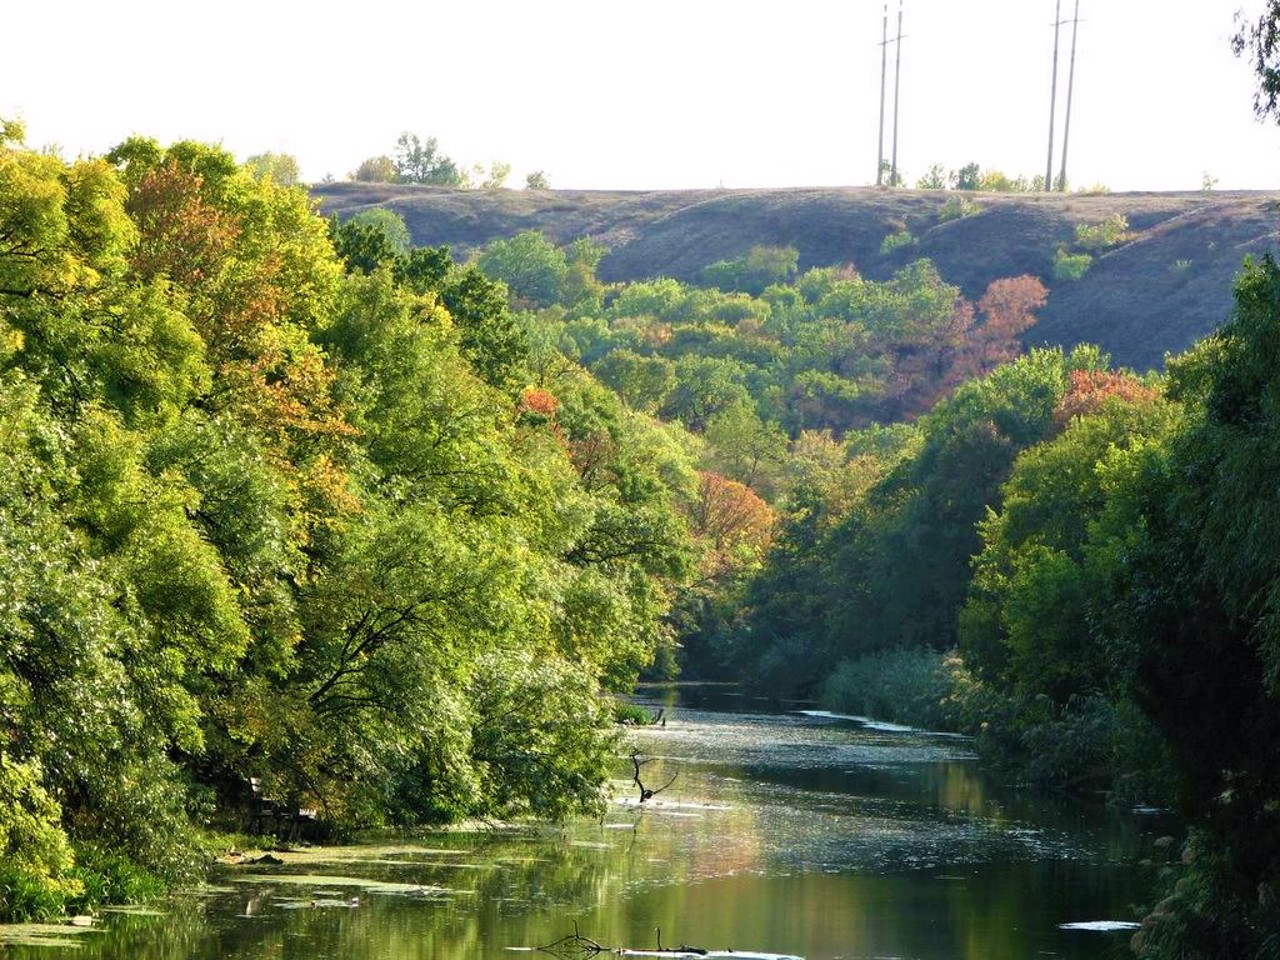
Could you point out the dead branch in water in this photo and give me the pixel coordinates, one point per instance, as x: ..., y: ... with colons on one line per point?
x: 575, y: 946
x: 645, y: 792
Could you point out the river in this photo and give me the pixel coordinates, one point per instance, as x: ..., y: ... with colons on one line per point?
x: 782, y: 832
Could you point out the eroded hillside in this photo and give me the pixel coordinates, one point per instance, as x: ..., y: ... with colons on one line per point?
x: 1164, y: 285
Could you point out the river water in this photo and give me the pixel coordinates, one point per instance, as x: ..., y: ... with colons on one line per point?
x: 782, y: 833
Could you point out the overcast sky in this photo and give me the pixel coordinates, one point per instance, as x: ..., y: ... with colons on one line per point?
x: 659, y: 94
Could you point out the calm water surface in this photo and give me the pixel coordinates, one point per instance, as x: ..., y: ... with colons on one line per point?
x: 782, y: 833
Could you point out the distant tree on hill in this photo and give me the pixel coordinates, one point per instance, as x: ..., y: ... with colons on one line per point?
x: 495, y: 176
x: 375, y: 170
x: 537, y: 180
x: 935, y: 178
x: 420, y: 161
x: 281, y: 168
x: 967, y: 177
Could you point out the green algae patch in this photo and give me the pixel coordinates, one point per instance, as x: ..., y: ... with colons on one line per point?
x: 64, y: 936
x: 319, y: 881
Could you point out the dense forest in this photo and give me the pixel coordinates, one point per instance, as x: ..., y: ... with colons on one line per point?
x: 1066, y: 560
x: 288, y: 504
x: 283, y: 507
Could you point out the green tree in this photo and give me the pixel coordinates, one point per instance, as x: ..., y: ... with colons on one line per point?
x: 1259, y: 40
x: 935, y: 178
x: 495, y: 176
x: 421, y: 161
x: 380, y: 169
x: 968, y: 177
x: 531, y: 266
x: 281, y: 168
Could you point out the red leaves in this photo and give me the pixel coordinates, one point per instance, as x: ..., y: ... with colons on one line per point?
x: 182, y: 236
x: 1090, y: 390
x: 540, y: 402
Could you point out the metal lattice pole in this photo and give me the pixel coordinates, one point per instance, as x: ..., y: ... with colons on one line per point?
x: 884, y: 63
x: 1053, y: 97
x: 897, y: 82
x: 1071, y: 82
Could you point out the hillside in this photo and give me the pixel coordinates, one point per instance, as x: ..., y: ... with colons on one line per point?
x: 1165, y: 286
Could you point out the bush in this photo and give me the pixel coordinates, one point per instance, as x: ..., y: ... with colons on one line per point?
x: 956, y: 208
x: 896, y: 241
x: 902, y: 686
x: 107, y: 877
x: 633, y: 714
x: 1070, y: 266
x: 1102, y: 236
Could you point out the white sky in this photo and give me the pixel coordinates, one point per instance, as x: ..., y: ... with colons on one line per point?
x: 660, y: 94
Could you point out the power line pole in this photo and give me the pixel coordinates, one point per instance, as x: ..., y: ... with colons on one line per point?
x: 897, y: 80
x: 1071, y: 82
x: 884, y: 63
x: 1053, y: 97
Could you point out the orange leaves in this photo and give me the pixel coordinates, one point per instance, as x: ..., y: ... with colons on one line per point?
x: 182, y: 236
x: 1089, y: 391
x: 731, y: 516
x: 539, y: 402
x: 1009, y: 304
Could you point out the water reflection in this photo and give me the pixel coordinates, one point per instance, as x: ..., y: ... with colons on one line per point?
x: 781, y: 833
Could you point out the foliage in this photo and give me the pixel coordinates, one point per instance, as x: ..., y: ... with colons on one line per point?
x: 421, y: 161
x: 1197, y: 601
x: 902, y: 685
x: 531, y: 266
x: 269, y: 513
x: 935, y: 178
x: 957, y: 208
x: 761, y: 267
x: 968, y: 177
x: 495, y: 176
x: 1093, y: 237
x: 1259, y: 40
x: 379, y: 169
x: 896, y: 241
x: 1070, y: 266
x: 281, y: 168
x: 538, y: 180
x: 891, y: 568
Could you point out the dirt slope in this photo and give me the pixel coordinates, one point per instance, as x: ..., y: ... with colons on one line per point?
x: 1165, y: 287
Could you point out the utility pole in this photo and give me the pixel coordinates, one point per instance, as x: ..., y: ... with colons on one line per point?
x: 897, y: 80
x: 1071, y: 82
x: 884, y: 63
x: 1053, y: 97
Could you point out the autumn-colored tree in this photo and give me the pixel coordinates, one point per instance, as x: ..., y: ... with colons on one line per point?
x: 730, y: 514
x: 1088, y: 391
x: 539, y: 401
x: 1008, y: 309
x: 182, y: 235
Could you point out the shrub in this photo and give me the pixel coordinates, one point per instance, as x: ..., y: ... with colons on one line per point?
x: 26, y: 897
x: 896, y: 241
x: 1101, y: 236
x: 957, y: 208
x: 1070, y: 266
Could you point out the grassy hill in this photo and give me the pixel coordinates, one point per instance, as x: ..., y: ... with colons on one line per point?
x: 1166, y: 285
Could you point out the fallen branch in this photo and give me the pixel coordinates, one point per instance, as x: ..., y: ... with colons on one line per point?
x: 577, y: 947
x: 645, y: 792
